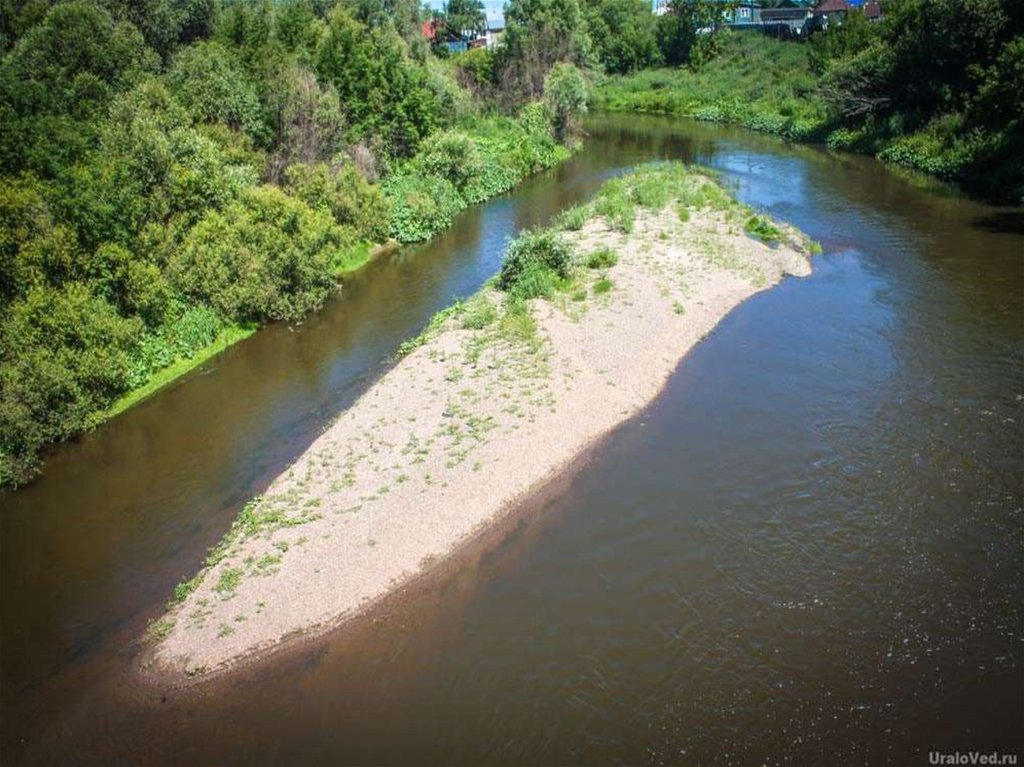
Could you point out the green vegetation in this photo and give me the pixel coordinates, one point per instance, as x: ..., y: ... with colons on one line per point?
x: 485, y: 157
x: 225, y: 338
x: 541, y: 262
x: 755, y: 81
x: 936, y: 86
x: 763, y: 229
x: 174, y: 174
x: 602, y: 258
x: 535, y: 264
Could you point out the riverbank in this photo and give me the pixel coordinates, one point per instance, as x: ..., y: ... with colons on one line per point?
x: 774, y: 87
x: 760, y: 83
x: 496, y: 397
x: 225, y: 285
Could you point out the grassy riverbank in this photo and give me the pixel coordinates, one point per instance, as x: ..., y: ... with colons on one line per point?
x: 580, y: 329
x: 755, y: 81
x: 480, y: 158
x: 171, y: 175
x: 808, y: 92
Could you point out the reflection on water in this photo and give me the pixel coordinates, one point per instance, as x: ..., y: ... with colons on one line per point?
x: 808, y: 550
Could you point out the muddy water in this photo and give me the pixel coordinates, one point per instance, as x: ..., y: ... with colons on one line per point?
x: 808, y: 550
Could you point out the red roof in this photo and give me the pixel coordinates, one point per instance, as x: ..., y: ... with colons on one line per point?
x: 832, y: 6
x: 429, y: 29
x: 872, y: 9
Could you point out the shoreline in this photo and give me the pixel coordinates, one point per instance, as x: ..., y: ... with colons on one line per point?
x: 428, y: 583
x: 225, y: 339
x: 490, y: 406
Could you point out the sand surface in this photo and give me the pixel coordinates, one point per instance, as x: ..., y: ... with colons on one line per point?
x: 459, y: 430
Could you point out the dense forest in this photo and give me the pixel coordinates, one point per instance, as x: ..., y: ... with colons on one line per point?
x: 934, y: 85
x: 175, y: 172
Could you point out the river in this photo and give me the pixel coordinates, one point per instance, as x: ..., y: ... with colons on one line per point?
x: 807, y: 550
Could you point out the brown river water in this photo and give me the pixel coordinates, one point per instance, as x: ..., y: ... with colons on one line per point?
x: 808, y: 550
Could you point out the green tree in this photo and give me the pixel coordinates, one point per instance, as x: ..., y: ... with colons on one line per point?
x: 383, y: 93
x: 64, y: 354
x: 210, y: 82
x: 565, y: 90
x: 267, y: 256
x: 307, y: 118
x: 687, y: 34
x: 539, y: 33
x: 463, y: 16
x: 623, y: 33
x: 58, y: 81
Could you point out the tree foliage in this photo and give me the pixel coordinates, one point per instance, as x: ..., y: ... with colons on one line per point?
x: 170, y: 169
x: 624, y: 34
x: 538, y: 34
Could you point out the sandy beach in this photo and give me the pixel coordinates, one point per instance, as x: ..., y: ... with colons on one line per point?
x: 481, y: 411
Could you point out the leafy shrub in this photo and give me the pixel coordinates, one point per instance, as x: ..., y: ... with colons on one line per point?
x: 266, y: 257
x: 66, y: 354
x: 342, y: 190
x: 615, y: 204
x: 602, y: 286
x: 421, y: 205
x: 572, y: 219
x: 602, y: 258
x: 451, y: 155
x: 187, y: 330
x: 492, y: 179
x: 534, y: 264
x: 476, y: 68
x: 763, y: 229
x: 565, y: 89
x: 209, y: 80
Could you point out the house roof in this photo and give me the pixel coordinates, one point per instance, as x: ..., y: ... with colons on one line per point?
x: 832, y: 6
x: 872, y: 9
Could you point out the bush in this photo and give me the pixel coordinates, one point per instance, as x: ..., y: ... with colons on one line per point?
x: 615, y: 204
x: 572, y: 219
x: 422, y: 206
x: 602, y: 258
x: 565, y: 89
x: 534, y: 264
x: 451, y: 155
x: 763, y: 229
x: 266, y: 257
x: 208, y: 79
x: 66, y: 354
x: 342, y: 191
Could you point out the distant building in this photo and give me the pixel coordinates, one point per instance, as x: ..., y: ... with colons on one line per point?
x: 744, y: 12
x: 736, y: 12
x: 786, y: 20
x: 494, y: 13
x: 832, y: 12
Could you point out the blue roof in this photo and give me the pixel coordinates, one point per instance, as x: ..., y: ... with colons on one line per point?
x: 493, y: 9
